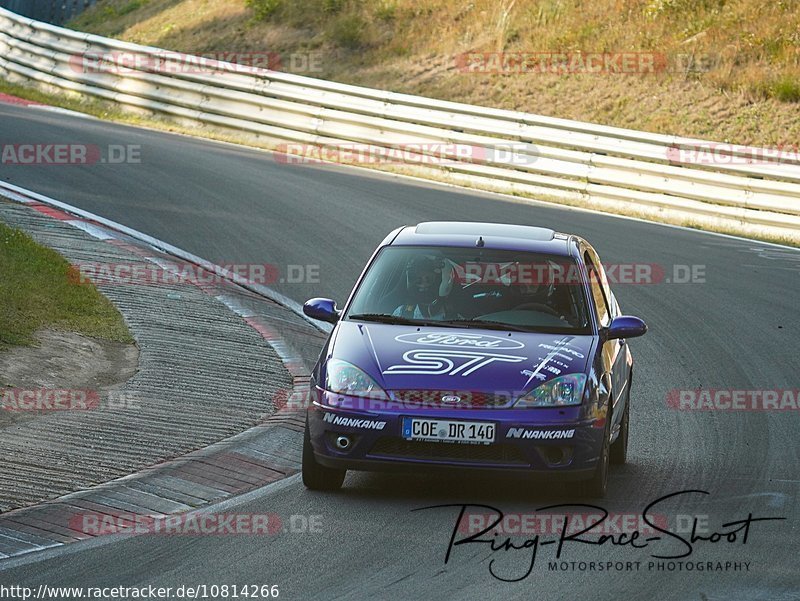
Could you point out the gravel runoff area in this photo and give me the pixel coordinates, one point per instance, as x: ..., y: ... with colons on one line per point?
x: 204, y: 374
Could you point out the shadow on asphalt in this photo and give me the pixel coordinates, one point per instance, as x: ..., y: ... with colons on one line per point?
x: 626, y: 484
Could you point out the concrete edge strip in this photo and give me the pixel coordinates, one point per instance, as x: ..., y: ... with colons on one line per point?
x: 59, y: 550
x: 252, y: 459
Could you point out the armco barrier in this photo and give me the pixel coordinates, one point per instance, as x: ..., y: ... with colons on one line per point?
x: 603, y: 167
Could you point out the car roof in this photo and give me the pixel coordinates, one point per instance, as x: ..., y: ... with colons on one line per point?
x: 501, y: 236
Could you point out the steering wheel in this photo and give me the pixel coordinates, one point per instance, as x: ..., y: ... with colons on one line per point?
x: 540, y: 307
x: 436, y: 307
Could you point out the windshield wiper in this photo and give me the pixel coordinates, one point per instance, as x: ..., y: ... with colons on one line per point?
x: 486, y: 324
x: 393, y: 319
x: 445, y: 323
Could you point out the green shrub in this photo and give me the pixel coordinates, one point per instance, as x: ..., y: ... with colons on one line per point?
x: 264, y: 9
x: 386, y: 11
x: 349, y: 31
x: 131, y: 6
x: 786, y: 89
x: 332, y: 6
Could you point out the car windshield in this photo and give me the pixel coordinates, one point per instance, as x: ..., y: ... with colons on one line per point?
x: 472, y: 287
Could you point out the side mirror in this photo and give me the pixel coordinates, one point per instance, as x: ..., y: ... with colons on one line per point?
x: 323, y: 309
x: 625, y: 326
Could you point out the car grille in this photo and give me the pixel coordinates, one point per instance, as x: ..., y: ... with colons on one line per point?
x: 433, y: 398
x: 468, y: 453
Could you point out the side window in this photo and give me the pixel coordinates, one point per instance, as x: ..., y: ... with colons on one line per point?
x: 612, y: 301
x: 603, y: 313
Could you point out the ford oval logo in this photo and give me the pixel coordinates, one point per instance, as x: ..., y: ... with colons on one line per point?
x: 451, y: 398
x: 461, y: 340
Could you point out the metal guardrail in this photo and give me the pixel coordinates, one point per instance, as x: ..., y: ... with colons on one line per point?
x: 581, y: 162
x: 49, y: 11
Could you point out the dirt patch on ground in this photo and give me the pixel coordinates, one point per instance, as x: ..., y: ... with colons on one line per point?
x: 62, y: 360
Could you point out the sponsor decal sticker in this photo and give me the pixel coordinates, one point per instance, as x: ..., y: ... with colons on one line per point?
x: 536, y: 434
x: 350, y: 422
x: 481, y: 341
x: 440, y: 362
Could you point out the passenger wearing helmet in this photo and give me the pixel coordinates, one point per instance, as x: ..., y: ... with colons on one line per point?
x: 426, y: 283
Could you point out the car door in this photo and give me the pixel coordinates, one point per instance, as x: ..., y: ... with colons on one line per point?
x: 622, y: 358
x: 614, y: 352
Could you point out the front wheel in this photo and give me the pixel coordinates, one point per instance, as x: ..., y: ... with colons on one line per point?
x: 597, y: 486
x: 315, y: 475
x: 619, y: 450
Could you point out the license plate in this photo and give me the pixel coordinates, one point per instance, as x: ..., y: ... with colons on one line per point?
x: 441, y: 430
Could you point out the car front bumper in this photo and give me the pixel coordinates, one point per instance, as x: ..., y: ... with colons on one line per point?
x: 536, y: 442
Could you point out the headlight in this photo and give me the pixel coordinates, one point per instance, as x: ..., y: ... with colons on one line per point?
x: 558, y: 392
x: 342, y: 377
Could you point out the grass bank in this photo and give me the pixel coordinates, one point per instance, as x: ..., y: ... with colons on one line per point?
x: 38, y: 289
x: 729, y: 69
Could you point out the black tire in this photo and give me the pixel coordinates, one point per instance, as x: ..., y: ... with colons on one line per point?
x: 316, y: 476
x: 596, y: 487
x: 619, y: 450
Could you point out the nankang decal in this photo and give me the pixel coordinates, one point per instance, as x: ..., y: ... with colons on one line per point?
x: 435, y: 362
x: 350, y: 422
x: 525, y: 434
x: 478, y: 341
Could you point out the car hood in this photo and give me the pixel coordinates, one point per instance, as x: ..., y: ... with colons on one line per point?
x: 402, y: 357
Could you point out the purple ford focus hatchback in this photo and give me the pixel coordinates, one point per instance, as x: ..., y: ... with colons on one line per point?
x: 476, y: 346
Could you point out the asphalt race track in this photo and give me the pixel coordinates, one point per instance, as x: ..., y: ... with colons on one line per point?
x: 738, y: 329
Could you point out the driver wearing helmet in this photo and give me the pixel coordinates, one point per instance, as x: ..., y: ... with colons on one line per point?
x: 426, y: 284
